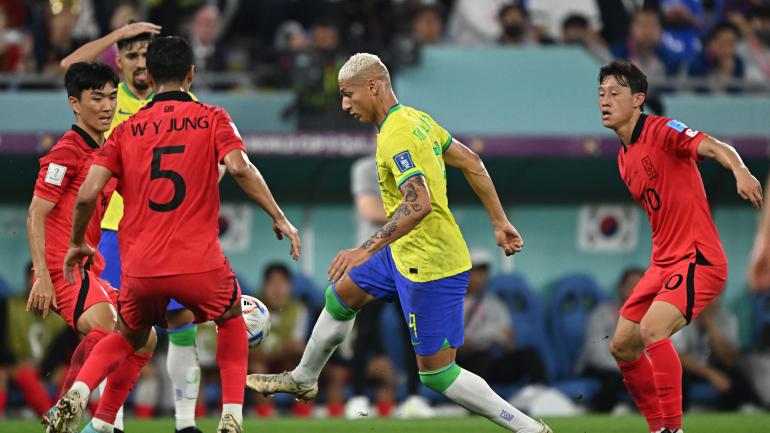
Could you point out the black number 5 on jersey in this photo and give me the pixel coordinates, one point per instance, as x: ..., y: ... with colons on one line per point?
x: 180, y: 188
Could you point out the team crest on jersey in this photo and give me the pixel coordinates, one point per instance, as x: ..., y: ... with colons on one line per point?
x: 404, y: 161
x: 55, y: 174
x: 677, y: 125
x: 649, y: 168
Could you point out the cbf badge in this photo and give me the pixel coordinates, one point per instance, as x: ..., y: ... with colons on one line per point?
x: 403, y: 161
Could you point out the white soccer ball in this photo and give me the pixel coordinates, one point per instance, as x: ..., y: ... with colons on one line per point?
x: 257, y: 319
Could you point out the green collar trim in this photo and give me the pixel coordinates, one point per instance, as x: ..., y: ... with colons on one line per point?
x: 392, y: 110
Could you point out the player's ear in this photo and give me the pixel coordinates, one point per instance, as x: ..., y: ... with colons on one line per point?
x: 373, y: 87
x: 74, y: 104
x: 639, y: 99
x: 188, y: 79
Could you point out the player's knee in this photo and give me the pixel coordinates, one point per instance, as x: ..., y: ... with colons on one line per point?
x: 625, y: 349
x: 101, y: 315
x: 336, y: 308
x: 441, y: 379
x: 184, y: 336
x: 652, y: 332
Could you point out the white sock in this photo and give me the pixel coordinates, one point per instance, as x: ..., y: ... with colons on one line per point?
x: 473, y: 393
x: 185, y: 374
x: 102, y: 426
x: 236, y: 410
x: 84, y: 391
x: 119, y: 419
x: 328, y: 333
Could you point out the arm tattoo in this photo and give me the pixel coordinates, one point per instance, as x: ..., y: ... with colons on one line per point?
x: 411, y: 194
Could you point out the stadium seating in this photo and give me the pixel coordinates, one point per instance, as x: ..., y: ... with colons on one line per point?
x: 761, y: 321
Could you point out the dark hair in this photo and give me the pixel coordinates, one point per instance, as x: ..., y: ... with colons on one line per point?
x: 627, y: 273
x: 276, y: 268
x: 627, y: 74
x: 507, y: 8
x: 168, y: 59
x: 721, y: 27
x: 575, y: 20
x: 88, y: 76
x: 649, y: 11
x: 141, y: 37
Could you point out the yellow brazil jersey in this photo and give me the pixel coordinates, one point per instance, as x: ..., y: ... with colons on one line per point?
x: 128, y: 105
x: 409, y: 143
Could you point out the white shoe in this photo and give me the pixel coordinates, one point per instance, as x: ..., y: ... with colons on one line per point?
x: 272, y: 383
x: 69, y: 410
x: 415, y: 406
x: 228, y: 424
x: 358, y: 407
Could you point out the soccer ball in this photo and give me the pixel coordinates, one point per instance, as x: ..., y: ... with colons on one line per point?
x: 257, y: 319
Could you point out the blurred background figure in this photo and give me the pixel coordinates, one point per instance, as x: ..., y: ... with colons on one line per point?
x: 595, y: 359
x: 720, y: 63
x: 490, y: 349
x: 575, y: 30
x: 209, y: 54
x: 475, y: 22
x: 709, y: 352
x: 644, y: 46
x: 516, y: 28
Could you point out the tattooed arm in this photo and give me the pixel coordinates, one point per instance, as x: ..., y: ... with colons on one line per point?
x: 459, y: 156
x: 415, y: 206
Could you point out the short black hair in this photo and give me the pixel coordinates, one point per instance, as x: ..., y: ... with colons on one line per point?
x: 575, y: 20
x: 169, y: 58
x: 88, y: 76
x: 722, y: 27
x: 276, y: 268
x: 141, y: 37
x: 627, y: 74
x: 509, y: 7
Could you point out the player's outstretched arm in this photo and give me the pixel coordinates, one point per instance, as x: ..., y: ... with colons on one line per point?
x: 459, y: 156
x: 748, y: 186
x: 92, y: 50
x: 89, y: 192
x: 415, y: 206
x: 759, y: 269
x: 42, y: 295
x: 253, y: 184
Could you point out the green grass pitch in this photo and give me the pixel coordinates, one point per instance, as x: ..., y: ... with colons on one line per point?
x: 696, y: 423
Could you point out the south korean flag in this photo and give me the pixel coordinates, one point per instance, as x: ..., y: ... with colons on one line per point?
x: 607, y: 228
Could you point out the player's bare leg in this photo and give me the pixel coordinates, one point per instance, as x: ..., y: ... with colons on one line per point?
x: 440, y: 373
x: 232, y: 359
x: 343, y: 300
x: 183, y: 368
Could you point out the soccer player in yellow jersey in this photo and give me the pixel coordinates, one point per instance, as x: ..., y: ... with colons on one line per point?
x: 419, y: 256
x: 133, y: 93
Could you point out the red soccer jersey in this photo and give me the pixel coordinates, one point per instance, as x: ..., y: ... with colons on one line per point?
x: 62, y: 170
x: 659, y: 169
x: 165, y: 158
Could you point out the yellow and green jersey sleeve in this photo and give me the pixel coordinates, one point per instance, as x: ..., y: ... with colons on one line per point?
x: 411, y: 143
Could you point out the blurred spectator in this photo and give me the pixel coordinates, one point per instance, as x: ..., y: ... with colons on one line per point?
x: 709, y: 352
x: 616, y: 17
x: 475, y: 22
x: 124, y: 14
x: 369, y: 361
x: 490, y: 349
x: 11, y: 41
x: 53, y: 38
x: 685, y: 22
x: 755, y: 46
x: 576, y: 31
x: 644, y: 47
x: 548, y: 16
x: 517, y: 32
x: 428, y: 24
x: 209, y: 53
x: 282, y: 349
x: 719, y: 63
x: 25, y: 339
x: 595, y: 359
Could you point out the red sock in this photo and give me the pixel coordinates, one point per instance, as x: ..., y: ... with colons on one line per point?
x: 119, y: 385
x: 336, y: 410
x: 80, y: 355
x: 144, y: 411
x: 637, y: 375
x: 667, y: 371
x: 385, y: 409
x: 265, y: 410
x: 200, y: 410
x: 302, y: 409
x: 3, y: 400
x: 106, y: 357
x: 232, y: 357
x: 28, y: 379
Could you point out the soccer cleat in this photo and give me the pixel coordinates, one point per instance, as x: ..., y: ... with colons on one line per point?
x: 49, y: 417
x: 69, y: 410
x: 191, y: 429
x: 273, y: 383
x: 545, y: 429
x: 228, y: 424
